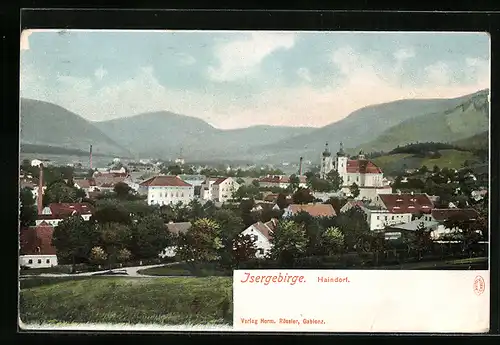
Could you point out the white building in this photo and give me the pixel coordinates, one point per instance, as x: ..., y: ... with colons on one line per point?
x: 218, y: 189
x: 261, y: 233
x: 55, y: 213
x: 365, y: 174
x: 280, y: 181
x: 36, y: 249
x: 440, y: 216
x: 165, y: 190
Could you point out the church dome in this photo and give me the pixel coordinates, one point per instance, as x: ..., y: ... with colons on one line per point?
x: 326, y: 153
x: 341, y: 152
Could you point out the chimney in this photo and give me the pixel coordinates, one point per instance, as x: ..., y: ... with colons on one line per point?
x: 90, y: 158
x: 40, y: 190
x: 300, y: 166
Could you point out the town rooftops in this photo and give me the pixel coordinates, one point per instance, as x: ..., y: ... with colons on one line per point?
x: 37, y: 240
x: 407, y: 203
x: 191, y: 177
x: 315, y: 210
x: 62, y: 210
x: 362, y: 166
x: 414, y: 225
x: 164, y: 181
x: 84, y: 183
x: 267, y: 228
x: 443, y: 214
x: 220, y: 180
x: 280, y: 179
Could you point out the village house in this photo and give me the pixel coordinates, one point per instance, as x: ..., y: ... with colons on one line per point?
x: 365, y: 174
x: 261, y: 234
x: 264, y: 205
x: 165, y: 190
x: 219, y: 189
x: 315, y: 210
x: 194, y: 180
x: 280, y: 181
x: 36, y: 249
x: 55, y: 213
x: 390, y: 209
x: 440, y: 216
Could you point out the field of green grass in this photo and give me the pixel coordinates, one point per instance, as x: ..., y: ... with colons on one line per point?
x: 452, y: 159
x: 161, y: 301
x: 183, y: 269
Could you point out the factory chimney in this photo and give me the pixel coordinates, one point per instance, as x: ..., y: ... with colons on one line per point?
x: 40, y: 191
x: 90, y: 158
x: 300, y: 166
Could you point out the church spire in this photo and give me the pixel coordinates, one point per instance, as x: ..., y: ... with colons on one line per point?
x: 341, y: 152
x: 326, y: 153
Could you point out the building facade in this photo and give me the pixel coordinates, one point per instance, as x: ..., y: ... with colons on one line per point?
x: 220, y: 189
x: 36, y: 249
x: 166, y: 190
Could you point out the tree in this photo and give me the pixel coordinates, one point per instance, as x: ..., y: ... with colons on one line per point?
x: 243, y: 249
x: 289, y: 242
x: 337, y: 203
x: 436, y: 169
x: 98, y: 256
x: 122, y: 190
x: 241, y: 181
x: 332, y: 241
x: 302, y: 196
x: 354, y: 189
x: 149, y: 237
x: 313, y: 231
x: 59, y: 192
x: 334, y: 179
x: 354, y: 226
x: 201, y: 243
x: 281, y: 201
x: 255, y: 183
x: 246, y: 213
x: 109, y: 211
x: 74, y: 238
x: 423, y: 240
x: 196, y: 210
x: 294, y: 183
x: 231, y: 225
x: 123, y: 255
x: 28, y: 213
x: 113, y: 238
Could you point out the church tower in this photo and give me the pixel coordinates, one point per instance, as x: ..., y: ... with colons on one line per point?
x: 341, y: 163
x: 326, y: 162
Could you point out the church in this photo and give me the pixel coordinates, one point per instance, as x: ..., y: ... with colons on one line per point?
x: 365, y: 174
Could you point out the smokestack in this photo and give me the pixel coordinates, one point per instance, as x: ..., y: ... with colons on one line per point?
x: 300, y: 166
x: 40, y: 190
x: 90, y: 158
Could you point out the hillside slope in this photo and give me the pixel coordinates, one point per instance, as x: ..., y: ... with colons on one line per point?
x: 166, y: 134
x: 362, y: 126
x: 463, y: 121
x: 47, y: 124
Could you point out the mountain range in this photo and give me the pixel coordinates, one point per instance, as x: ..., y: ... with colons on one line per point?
x: 165, y: 134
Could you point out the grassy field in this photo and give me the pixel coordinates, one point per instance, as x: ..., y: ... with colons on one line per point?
x: 163, y: 301
x: 183, y: 269
x: 452, y: 159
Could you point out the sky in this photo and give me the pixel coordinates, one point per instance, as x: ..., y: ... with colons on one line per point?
x: 241, y: 79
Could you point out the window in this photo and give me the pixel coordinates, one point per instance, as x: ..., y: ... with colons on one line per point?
x: 37, y: 249
x: 182, y: 195
x: 378, y: 217
x: 30, y: 261
x: 261, y: 251
x: 39, y: 261
x: 392, y: 218
x: 47, y: 261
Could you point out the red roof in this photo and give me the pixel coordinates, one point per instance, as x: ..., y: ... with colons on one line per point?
x: 266, y: 229
x: 407, y: 203
x: 37, y: 240
x: 443, y: 214
x: 67, y: 209
x: 220, y: 180
x: 362, y: 167
x: 85, y: 183
x: 165, y: 181
x: 315, y: 210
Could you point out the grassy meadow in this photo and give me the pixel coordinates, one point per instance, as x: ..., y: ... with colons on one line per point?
x: 161, y: 301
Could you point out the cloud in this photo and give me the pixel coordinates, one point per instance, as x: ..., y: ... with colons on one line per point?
x: 360, y: 80
x: 404, y: 54
x: 100, y: 73
x: 241, y: 57
x: 438, y: 73
x: 304, y: 73
x: 186, y: 59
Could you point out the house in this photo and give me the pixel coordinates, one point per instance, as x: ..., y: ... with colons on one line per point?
x: 218, y: 189
x: 54, y: 213
x: 87, y: 185
x: 396, y: 208
x: 442, y: 215
x: 36, y: 249
x: 175, y: 229
x: 315, y: 210
x: 280, y: 181
x: 352, y: 203
x: 261, y: 233
x: 264, y: 205
x: 165, y: 190
x: 399, y: 230
x: 360, y: 171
